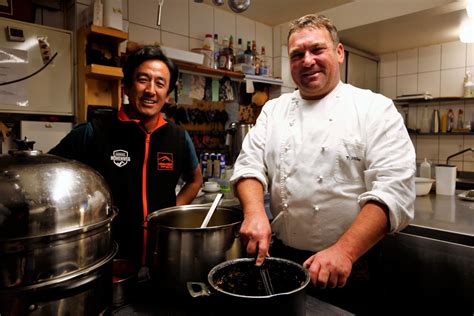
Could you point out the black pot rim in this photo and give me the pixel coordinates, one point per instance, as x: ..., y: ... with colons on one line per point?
x: 236, y: 261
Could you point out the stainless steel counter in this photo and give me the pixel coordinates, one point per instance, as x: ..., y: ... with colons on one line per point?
x: 431, y: 262
x: 444, y: 217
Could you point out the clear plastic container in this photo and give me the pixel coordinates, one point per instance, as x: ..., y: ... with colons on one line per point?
x: 425, y: 169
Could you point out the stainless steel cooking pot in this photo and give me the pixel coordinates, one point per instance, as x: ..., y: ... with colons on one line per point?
x: 235, y: 137
x: 179, y: 251
x: 55, y: 239
x: 237, y: 286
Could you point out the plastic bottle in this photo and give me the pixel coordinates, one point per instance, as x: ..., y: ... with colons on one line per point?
x: 435, y: 122
x: 98, y: 13
x: 209, y: 46
x: 216, y: 172
x: 468, y: 85
x: 209, y: 165
x: 425, y: 169
x: 425, y: 121
x: 450, y: 120
x: 460, y: 123
x: 204, y: 158
x: 444, y: 122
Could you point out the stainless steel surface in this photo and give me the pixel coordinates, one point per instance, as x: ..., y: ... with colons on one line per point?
x: 84, y: 292
x: 46, y: 195
x: 432, y: 260
x: 178, y: 250
x: 238, y: 6
x: 267, y: 281
x: 55, y: 236
x: 435, y: 277
x: 237, y: 131
x: 213, y: 207
x: 124, y: 281
x: 313, y: 306
x: 444, y: 216
x: 55, y: 218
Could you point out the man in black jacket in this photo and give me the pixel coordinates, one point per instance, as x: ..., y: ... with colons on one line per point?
x: 139, y: 153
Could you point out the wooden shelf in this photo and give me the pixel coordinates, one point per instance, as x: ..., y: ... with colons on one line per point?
x: 200, y: 69
x: 115, y: 35
x: 98, y: 84
x: 103, y: 72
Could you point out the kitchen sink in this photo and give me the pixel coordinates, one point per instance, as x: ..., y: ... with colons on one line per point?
x: 465, y: 180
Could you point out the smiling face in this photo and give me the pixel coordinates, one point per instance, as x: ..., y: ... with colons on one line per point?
x: 314, y: 62
x: 148, y: 92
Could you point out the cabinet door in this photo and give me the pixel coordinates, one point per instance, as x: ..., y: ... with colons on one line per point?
x: 362, y: 72
x: 48, y: 92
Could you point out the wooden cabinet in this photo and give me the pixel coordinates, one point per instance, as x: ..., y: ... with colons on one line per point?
x: 98, y: 84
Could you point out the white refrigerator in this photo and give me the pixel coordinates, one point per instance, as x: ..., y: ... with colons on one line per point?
x: 45, y: 134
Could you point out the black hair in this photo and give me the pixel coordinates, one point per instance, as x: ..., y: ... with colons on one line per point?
x: 151, y: 52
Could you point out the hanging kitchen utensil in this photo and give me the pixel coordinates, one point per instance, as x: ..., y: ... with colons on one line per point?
x: 211, y: 210
x: 160, y: 5
x: 239, y: 6
x: 218, y: 2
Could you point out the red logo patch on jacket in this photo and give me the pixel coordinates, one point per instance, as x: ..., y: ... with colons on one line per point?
x: 165, y: 161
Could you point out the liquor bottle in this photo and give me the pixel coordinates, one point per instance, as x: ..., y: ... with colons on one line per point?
x: 263, y: 63
x: 231, y: 58
x: 216, y: 51
x: 256, y: 61
x: 248, y: 56
x: 240, y: 57
x: 224, y: 53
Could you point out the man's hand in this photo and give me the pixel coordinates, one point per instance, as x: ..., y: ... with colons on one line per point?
x: 256, y: 234
x: 329, y: 268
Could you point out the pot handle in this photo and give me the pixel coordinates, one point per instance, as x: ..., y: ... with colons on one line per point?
x: 204, y: 290
x: 237, y: 231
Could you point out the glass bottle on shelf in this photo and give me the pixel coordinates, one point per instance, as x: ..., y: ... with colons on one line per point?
x: 216, y: 51
x: 224, y: 53
x: 248, y: 55
x: 240, y: 57
x: 263, y: 63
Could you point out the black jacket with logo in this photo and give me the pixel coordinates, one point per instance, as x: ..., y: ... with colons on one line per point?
x: 141, y: 169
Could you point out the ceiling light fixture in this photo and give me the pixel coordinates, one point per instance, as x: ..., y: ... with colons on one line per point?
x: 466, y: 34
x: 470, y: 8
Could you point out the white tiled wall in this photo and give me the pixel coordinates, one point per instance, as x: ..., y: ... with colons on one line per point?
x: 439, y: 70
x: 184, y: 24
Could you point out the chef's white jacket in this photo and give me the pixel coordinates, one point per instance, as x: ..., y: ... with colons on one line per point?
x: 322, y: 160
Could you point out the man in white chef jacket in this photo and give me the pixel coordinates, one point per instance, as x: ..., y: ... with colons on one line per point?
x: 337, y: 161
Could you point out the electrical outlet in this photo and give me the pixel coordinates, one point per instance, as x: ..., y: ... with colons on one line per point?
x: 15, y: 34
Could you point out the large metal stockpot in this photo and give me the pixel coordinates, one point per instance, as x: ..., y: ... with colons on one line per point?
x: 56, y: 248
x: 179, y: 251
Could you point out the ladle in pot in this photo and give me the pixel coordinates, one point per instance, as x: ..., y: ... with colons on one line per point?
x: 211, y: 210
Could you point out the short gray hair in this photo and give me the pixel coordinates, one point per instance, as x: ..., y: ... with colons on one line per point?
x: 314, y: 22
